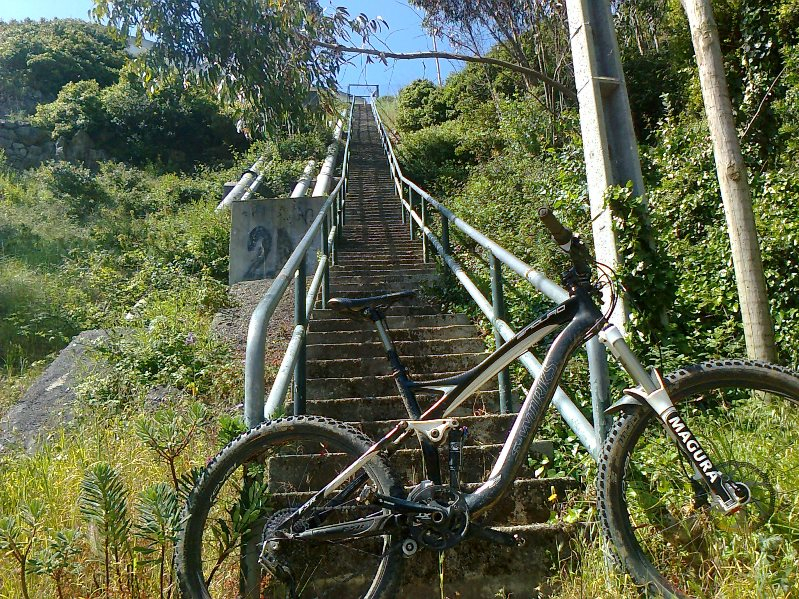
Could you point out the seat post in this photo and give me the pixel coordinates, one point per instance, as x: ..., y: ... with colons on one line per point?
x: 429, y: 453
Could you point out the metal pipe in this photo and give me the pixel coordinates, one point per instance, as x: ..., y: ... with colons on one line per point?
x: 245, y: 182
x: 325, y: 177
x: 301, y: 188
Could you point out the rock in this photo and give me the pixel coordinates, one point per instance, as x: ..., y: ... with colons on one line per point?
x: 47, y: 404
x: 31, y: 135
x: 79, y: 147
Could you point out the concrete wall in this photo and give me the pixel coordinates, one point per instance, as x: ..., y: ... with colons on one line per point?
x: 264, y: 233
x: 25, y: 146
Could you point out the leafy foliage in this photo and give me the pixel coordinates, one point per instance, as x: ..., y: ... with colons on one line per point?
x: 38, y: 59
x: 260, y: 56
x: 140, y: 128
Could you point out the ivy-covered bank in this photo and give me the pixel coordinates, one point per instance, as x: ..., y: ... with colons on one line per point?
x: 488, y: 146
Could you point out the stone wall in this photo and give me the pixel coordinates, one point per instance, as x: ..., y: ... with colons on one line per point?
x: 25, y: 146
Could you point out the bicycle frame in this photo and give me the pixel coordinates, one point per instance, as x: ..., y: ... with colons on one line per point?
x: 578, y: 317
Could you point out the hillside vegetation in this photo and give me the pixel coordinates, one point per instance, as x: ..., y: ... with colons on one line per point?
x: 132, y: 246
x: 487, y: 146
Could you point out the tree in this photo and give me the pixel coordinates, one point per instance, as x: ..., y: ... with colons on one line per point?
x: 732, y: 175
x: 263, y: 56
x: 534, y: 33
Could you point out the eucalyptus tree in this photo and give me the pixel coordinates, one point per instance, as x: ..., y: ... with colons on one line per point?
x: 733, y: 182
x: 261, y: 56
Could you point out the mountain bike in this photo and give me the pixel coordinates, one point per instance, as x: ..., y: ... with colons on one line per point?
x: 697, y: 480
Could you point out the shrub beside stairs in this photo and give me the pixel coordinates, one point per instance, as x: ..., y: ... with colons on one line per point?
x: 349, y: 379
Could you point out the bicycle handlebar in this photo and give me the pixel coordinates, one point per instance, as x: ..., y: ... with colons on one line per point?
x: 560, y: 234
x: 569, y: 242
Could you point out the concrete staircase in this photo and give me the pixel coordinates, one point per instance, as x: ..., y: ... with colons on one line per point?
x: 349, y: 379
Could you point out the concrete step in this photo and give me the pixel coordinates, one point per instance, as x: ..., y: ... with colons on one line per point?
x: 395, y: 310
x: 315, y: 470
x: 326, y: 338
x: 477, y: 569
x: 363, y: 409
x: 359, y: 291
x: 325, y: 321
x: 382, y: 262
x: 377, y: 287
x: 371, y: 366
x: 367, y: 386
x: 388, y: 278
x: 482, y: 430
x: 372, y: 348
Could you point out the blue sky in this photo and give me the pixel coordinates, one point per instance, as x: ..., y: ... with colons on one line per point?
x: 404, y: 35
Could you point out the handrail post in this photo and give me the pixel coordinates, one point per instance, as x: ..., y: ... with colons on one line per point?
x: 411, y: 221
x: 340, y: 215
x: 401, y: 205
x: 300, y: 318
x: 600, y: 385
x: 425, y: 253
x: 445, y: 233
x: 333, y: 218
x: 325, y: 252
x: 498, y: 301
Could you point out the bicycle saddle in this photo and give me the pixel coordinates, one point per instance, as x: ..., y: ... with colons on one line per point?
x: 357, y: 305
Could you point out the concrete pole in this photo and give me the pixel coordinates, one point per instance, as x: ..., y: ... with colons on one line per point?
x: 609, y: 144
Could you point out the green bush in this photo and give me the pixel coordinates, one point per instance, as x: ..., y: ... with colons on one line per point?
x: 38, y: 58
x: 78, y: 107
x: 140, y: 128
x: 420, y: 105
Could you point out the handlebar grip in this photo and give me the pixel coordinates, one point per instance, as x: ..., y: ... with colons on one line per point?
x: 560, y: 234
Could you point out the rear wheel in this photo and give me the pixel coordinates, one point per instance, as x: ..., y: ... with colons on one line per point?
x: 280, y: 465
x: 666, y: 533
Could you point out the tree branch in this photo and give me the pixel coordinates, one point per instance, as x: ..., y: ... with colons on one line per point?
x: 452, y: 56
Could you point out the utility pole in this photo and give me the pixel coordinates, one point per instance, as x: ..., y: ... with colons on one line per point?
x: 733, y: 182
x: 609, y: 144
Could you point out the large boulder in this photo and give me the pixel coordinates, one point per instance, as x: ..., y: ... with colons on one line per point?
x: 48, y: 402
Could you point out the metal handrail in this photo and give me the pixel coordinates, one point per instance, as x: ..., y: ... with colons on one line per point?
x: 328, y: 224
x: 591, y: 436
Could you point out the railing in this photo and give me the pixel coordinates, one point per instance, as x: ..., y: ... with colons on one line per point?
x: 411, y: 195
x: 327, y: 224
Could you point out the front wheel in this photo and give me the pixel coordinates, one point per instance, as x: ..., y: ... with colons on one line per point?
x: 660, y: 520
x: 253, y: 485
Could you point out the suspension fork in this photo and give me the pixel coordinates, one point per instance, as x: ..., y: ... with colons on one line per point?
x: 651, y: 391
x: 432, y: 466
